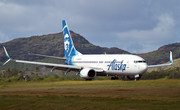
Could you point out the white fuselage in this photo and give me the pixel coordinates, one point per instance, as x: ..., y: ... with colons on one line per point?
x: 122, y: 64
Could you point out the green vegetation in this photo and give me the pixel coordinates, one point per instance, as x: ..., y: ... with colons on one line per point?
x: 161, y: 74
x: 15, y: 75
x: 59, y: 91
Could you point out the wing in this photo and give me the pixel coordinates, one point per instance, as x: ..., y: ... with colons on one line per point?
x: 61, y: 58
x: 162, y: 65
x: 53, y: 66
x: 49, y: 65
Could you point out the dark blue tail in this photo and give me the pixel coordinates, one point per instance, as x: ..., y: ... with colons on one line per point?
x: 69, y: 48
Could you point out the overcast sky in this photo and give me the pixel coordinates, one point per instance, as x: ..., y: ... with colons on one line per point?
x: 137, y: 26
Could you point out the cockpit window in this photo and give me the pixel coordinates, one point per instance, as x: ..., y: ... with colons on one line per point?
x: 141, y: 61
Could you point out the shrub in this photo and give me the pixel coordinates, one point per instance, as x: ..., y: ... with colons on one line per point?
x: 38, y: 79
x: 14, y: 79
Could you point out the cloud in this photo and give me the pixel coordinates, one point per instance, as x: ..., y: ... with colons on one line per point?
x: 133, y: 25
x: 3, y: 37
x: 149, y: 39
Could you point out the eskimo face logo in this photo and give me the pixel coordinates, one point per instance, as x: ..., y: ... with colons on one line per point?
x: 66, y: 45
x: 114, y: 66
x: 66, y: 36
x: 66, y: 42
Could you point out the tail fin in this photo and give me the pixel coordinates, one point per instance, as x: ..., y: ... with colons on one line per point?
x: 69, y: 48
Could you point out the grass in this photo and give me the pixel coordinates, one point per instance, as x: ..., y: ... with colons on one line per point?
x: 104, y: 94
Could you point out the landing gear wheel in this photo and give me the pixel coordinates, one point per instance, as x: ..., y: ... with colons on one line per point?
x: 114, y: 78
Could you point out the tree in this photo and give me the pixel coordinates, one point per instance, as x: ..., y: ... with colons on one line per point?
x: 21, y: 73
x: 32, y: 75
x: 36, y: 69
x: 3, y: 74
x: 26, y: 70
x: 46, y: 76
x: 55, y: 76
x: 36, y: 75
x: 6, y: 73
x: 27, y: 78
x: 62, y: 74
x: 14, y: 72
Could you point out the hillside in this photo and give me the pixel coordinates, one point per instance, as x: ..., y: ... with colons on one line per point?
x: 162, y: 54
x: 176, y: 63
x: 52, y: 45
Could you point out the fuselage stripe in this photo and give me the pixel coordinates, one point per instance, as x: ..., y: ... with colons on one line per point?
x: 64, y: 27
x: 71, y: 50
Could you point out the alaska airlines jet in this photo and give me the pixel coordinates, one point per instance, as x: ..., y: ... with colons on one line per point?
x: 90, y: 66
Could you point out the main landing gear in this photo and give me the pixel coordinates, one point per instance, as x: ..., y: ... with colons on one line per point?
x: 118, y: 77
x: 135, y: 78
x: 114, y: 78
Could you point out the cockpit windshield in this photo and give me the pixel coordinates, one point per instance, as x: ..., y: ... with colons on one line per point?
x: 140, y: 61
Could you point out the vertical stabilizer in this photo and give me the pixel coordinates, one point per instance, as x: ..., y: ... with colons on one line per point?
x: 69, y: 48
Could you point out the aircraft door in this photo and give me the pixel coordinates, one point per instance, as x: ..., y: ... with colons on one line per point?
x: 127, y: 64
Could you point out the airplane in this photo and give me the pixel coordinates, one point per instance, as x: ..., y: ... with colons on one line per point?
x: 92, y: 65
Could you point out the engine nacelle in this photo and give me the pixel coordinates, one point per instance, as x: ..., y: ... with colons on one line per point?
x: 131, y: 77
x: 87, y: 73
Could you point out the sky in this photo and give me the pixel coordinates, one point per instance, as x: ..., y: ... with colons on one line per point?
x: 137, y: 26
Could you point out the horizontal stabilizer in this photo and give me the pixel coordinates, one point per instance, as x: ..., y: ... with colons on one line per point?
x: 9, y: 59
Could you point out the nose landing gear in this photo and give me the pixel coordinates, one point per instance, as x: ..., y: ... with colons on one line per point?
x: 136, y: 77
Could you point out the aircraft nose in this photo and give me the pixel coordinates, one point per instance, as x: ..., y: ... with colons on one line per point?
x: 143, y: 67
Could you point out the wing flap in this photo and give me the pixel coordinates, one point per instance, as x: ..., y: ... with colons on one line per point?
x: 61, y: 58
x: 49, y: 64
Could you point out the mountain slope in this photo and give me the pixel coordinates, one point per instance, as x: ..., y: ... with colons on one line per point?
x: 162, y: 54
x: 52, y: 45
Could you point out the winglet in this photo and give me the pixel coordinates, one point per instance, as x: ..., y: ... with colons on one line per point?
x: 162, y: 65
x: 6, y: 55
x: 171, y: 59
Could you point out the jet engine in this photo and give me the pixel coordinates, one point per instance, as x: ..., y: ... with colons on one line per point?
x: 131, y: 77
x: 87, y: 73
